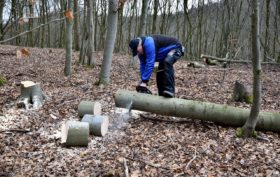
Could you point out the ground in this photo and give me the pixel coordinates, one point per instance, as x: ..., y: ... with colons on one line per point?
x: 150, y: 147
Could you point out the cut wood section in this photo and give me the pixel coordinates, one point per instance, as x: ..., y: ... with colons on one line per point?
x: 75, y: 133
x: 98, y: 125
x: 220, y: 114
x: 31, y: 93
x: 89, y: 107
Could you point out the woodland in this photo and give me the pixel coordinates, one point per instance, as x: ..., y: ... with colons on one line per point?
x: 68, y: 104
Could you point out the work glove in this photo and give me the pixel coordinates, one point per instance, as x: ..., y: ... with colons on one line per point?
x: 143, y: 89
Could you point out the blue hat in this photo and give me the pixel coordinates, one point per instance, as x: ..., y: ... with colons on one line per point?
x: 133, y: 44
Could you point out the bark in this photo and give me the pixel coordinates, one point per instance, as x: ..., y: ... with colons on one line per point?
x: 220, y: 114
x: 77, y: 25
x: 104, y: 77
x: 251, y: 122
x: 266, y: 37
x: 2, y: 4
x: 68, y: 44
x: 89, y: 107
x: 143, y: 19
x: 154, y: 28
x: 98, y: 125
x: 75, y: 133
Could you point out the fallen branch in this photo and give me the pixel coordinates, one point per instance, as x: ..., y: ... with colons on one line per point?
x: 149, y: 164
x: 163, y: 120
x: 231, y: 60
x: 187, y: 166
x: 15, y: 130
x: 125, y: 168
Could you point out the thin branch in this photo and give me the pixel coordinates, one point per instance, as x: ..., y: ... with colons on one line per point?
x: 187, y: 166
x: 15, y: 130
x: 125, y: 168
x: 148, y: 163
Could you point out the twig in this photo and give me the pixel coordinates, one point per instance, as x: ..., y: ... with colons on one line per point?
x: 148, y: 163
x: 15, y: 130
x: 125, y: 168
x: 191, y: 159
x: 162, y: 120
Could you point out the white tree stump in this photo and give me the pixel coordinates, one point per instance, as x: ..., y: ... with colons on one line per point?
x: 98, y: 125
x: 75, y: 133
x: 89, y: 107
x: 31, y: 93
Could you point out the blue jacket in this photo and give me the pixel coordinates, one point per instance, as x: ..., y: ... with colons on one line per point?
x: 156, y: 48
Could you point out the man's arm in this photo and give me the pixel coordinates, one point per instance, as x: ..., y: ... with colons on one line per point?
x: 149, y: 48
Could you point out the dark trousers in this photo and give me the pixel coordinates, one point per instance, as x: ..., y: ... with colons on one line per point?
x: 165, y: 74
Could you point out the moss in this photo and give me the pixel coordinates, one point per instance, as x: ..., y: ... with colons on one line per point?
x: 249, y: 99
x: 2, y: 80
x: 240, y: 133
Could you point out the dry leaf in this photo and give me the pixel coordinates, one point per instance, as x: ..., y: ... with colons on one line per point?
x: 32, y: 2
x: 23, y: 20
x: 69, y: 15
x: 25, y: 52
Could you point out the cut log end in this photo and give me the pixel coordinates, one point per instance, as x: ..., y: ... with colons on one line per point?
x: 89, y: 107
x: 75, y: 133
x: 98, y: 125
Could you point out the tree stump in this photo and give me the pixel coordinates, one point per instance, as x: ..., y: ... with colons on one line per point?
x: 98, y: 125
x: 75, y: 133
x: 89, y: 107
x: 31, y: 93
x: 242, y: 93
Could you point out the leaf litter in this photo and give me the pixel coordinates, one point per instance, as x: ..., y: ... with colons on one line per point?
x: 152, y: 145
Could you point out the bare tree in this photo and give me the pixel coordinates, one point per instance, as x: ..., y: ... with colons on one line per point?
x: 2, y: 4
x: 77, y: 25
x: 249, y: 127
x: 86, y: 54
x: 266, y: 37
x: 143, y: 20
x: 155, y: 14
x: 112, y: 25
x: 69, y: 29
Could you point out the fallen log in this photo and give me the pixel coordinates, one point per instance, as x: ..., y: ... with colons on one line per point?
x: 89, y: 107
x: 98, y: 125
x: 220, y: 114
x: 31, y: 93
x: 75, y: 133
x: 231, y: 60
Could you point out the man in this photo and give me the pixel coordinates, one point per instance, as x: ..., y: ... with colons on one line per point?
x: 157, y: 48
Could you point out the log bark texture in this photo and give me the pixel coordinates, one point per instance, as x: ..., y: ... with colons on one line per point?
x: 75, y: 133
x: 89, y: 107
x: 98, y: 125
x: 220, y: 114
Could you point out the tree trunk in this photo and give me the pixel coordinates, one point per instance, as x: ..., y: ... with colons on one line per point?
x: 68, y: 44
x: 77, y: 25
x: 104, y: 77
x: 266, y: 37
x: 154, y: 28
x: 143, y: 20
x: 2, y: 4
x: 220, y: 114
x: 251, y: 122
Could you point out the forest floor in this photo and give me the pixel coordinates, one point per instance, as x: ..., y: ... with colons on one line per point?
x: 150, y: 147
